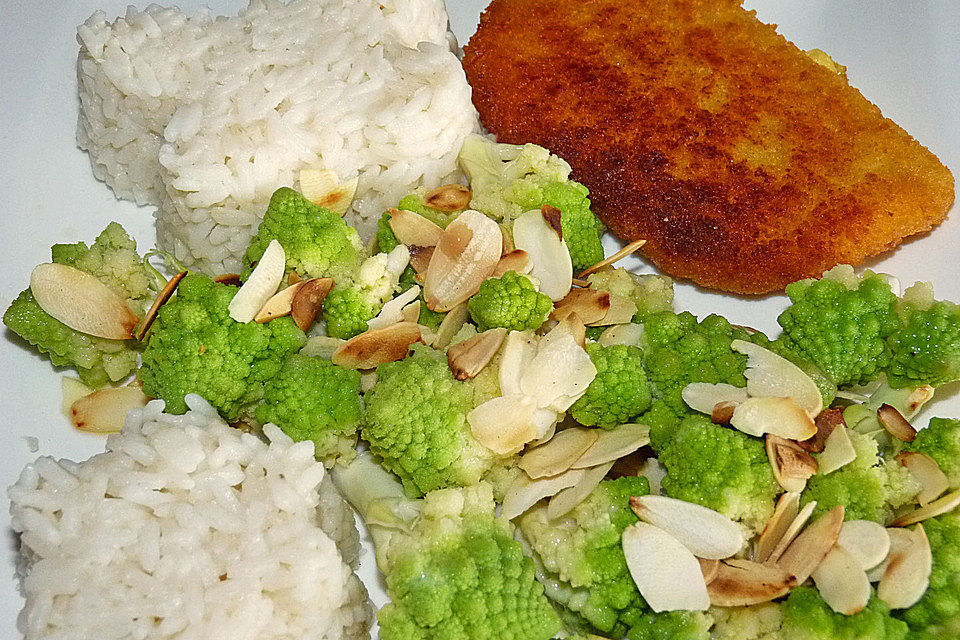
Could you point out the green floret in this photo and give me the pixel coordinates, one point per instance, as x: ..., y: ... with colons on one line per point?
x: 196, y: 347
x: 807, y: 617
x: 937, y: 614
x: 416, y: 421
x: 314, y: 399
x: 618, y: 393
x: 583, y: 566
x: 926, y: 349
x: 650, y: 293
x: 317, y: 242
x: 346, y: 311
x: 453, y: 569
x: 511, y: 301
x: 721, y: 469
x: 355, y: 300
x: 840, y: 323
x: 672, y: 625
x: 941, y: 441
x: 580, y: 228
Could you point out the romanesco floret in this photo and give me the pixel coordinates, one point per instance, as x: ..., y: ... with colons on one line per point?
x: 840, y: 323
x: 196, y: 347
x: 583, y: 563
x: 619, y: 392
x: 755, y: 622
x: 580, y: 228
x: 937, y: 614
x: 453, y: 570
x: 651, y: 293
x: 511, y: 301
x: 807, y: 617
x: 672, y: 625
x: 313, y: 399
x: 416, y: 421
x: 353, y: 302
x: 317, y: 242
x: 926, y: 349
x: 941, y: 441
x: 721, y: 469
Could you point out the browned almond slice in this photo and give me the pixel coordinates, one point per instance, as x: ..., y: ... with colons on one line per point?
x: 577, y: 329
x: 551, y: 216
x: 559, y: 453
x: 450, y: 326
x: 519, y: 349
x: 590, y: 305
x: 563, y: 502
x: 895, y: 424
x: 80, y: 301
x: 791, y: 465
x: 621, y: 311
x: 372, y: 348
x: 517, y: 261
x: 900, y: 540
x: 928, y: 472
x: 308, y: 300
x: 410, y: 312
x: 826, y: 421
x: 838, y: 451
x: 867, y: 541
x: 613, y: 444
x: 420, y: 260
x: 705, y: 532
x: 666, y: 572
x: 907, y: 575
x: 549, y: 256
x: 722, y: 412
x: 779, y: 416
x: 793, y: 530
x: 813, y: 543
x: 468, y: 358
x: 742, y: 583
x: 324, y: 189
x: 842, y: 582
x: 260, y: 286
x: 523, y: 493
x: 71, y: 390
x: 704, y: 396
x: 412, y: 229
x: 392, y: 311
x: 770, y: 375
x: 947, y: 503
x: 160, y: 300
x: 232, y: 279
x: 561, y: 370
x: 616, y: 257
x: 580, y: 282
x: 629, y: 334
x: 279, y: 305
x: 104, y: 411
x: 504, y: 424
x: 709, y: 569
x: 788, y: 506
x: 466, y: 254
x: 449, y: 197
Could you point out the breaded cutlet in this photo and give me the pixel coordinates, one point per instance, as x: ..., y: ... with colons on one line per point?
x: 743, y: 162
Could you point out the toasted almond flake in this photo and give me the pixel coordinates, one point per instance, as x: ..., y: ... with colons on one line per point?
x: 616, y: 257
x: 232, y: 279
x: 261, y: 285
x: 412, y: 229
x: 322, y: 346
x: 519, y: 349
x: 907, y: 575
x: 392, y: 310
x: 705, y: 532
x: 504, y: 424
x: 722, y: 412
x: 793, y: 530
x: 704, y: 396
x: 710, y: 569
x: 942, y: 505
x: 826, y: 421
x: 293, y: 278
x: 372, y: 348
x: 666, y: 573
x: 621, y: 311
x: 629, y: 334
x: 71, y: 390
x: 590, y: 305
x: 917, y: 398
x: 450, y: 326
x: 80, y: 301
x: 577, y: 329
x: 563, y: 502
x: 900, y: 541
x: 278, y: 305
x: 420, y: 260
x: 580, y: 282
x: 791, y: 465
x: 895, y: 424
x: 560, y: 372
x: 468, y: 358
x: 808, y: 550
x: 523, y: 493
x: 517, y: 261
x: 551, y: 215
x: 411, y: 311
x: 308, y: 300
x: 160, y: 300
x: 548, y: 254
x: 787, y: 509
x: 865, y: 540
x: 837, y: 452
x: 742, y: 582
x: 449, y: 198
x: 104, y: 410
x: 466, y: 254
x: 613, y: 444
x: 925, y: 469
x: 770, y: 375
x: 779, y: 416
x: 557, y: 455
x: 323, y: 188
x: 842, y: 582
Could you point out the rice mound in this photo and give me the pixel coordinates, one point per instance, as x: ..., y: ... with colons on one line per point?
x: 186, y: 528
x: 205, y: 117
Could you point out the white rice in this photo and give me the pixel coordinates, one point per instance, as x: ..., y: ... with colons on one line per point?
x: 206, y: 116
x: 185, y: 528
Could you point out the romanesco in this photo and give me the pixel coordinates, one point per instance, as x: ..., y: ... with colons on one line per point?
x: 840, y: 323
x: 651, y: 293
x: 196, y: 347
x: 807, y: 617
x: 314, y: 399
x: 579, y: 227
x: 453, y: 569
x: 317, y: 242
x: 511, y: 301
x: 941, y: 441
x: 353, y: 302
x: 672, y: 625
x: 937, y: 614
x: 387, y: 239
x: 926, y: 349
x: 618, y: 393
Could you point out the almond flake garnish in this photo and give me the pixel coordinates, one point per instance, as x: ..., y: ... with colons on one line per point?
x: 548, y: 254
x: 372, y: 348
x: 838, y: 451
x: 742, y: 582
x: 710, y: 569
x: 324, y: 189
x: 907, y: 575
x: 895, y: 424
x: 504, y: 424
x: 613, y: 444
x: 420, y: 260
x: 308, y: 300
x: 867, y: 541
x: 590, y: 305
x: 704, y: 396
x: 105, y: 410
x: 392, y: 310
x: 791, y: 465
x: 928, y: 472
x: 565, y: 500
x: 468, y: 358
x: 559, y: 454
x: 523, y: 493
x: 322, y: 346
x: 71, y: 390
x: 81, y: 301
x: 628, y: 334
x: 449, y: 198
x: 826, y: 421
x: 551, y: 216
x: 621, y: 311
x: 160, y: 300
x: 412, y: 229
x: 232, y: 279
x: 813, y: 543
x: 517, y: 261
x: 842, y: 582
x: 706, y: 533
x: 787, y: 509
x: 779, y: 416
x: 616, y: 257
x: 467, y: 253
x: 278, y: 305
x: 450, y: 326
x: 793, y: 530
x: 666, y: 572
x: 770, y: 375
x: 943, y: 505
x: 261, y: 285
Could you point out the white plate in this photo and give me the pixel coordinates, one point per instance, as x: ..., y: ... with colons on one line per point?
x: 902, y: 56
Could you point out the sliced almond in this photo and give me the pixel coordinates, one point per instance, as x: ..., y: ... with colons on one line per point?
x: 838, y: 451
x: 466, y: 254
x: 560, y: 372
x: 104, y: 411
x: 504, y: 424
x: 576, y: 328
x: 742, y: 583
x: 410, y: 312
x: 450, y: 326
x: 770, y: 375
x: 722, y: 413
x: 71, y: 390
x: 842, y: 582
x: 308, y: 300
x: 559, y: 453
x: 867, y: 541
x: 563, y: 502
x: 322, y: 346
x: 613, y: 444
x: 616, y: 257
x: 895, y: 424
x: 449, y: 198
x: 621, y: 311
x: 938, y: 507
x: 420, y: 260
x: 629, y: 334
x: 552, y: 215
x: 813, y: 543
x: 703, y: 396
x: 907, y: 575
x: 791, y: 465
x: 710, y: 569
x: 414, y: 230
x: 323, y: 188
x: 666, y: 573
x: 917, y: 398
x: 928, y: 472
x: 261, y: 285
x: 160, y: 300
x: 468, y: 358
x: 523, y: 493
x: 232, y: 279
x: 80, y: 301
x: 705, y: 532
x: 788, y: 506
x: 517, y: 261
x: 519, y: 349
x: 793, y: 530
x: 392, y: 310
x: 548, y: 254
x: 779, y: 416
x: 900, y: 540
x: 372, y: 348
x: 590, y: 305
x: 278, y: 305
x: 826, y: 421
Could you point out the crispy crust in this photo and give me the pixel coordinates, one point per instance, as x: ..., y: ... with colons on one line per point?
x: 744, y: 163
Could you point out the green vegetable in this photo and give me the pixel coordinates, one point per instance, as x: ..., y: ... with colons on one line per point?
x: 580, y: 228
x: 314, y: 399
x: 807, y: 617
x: 672, y: 625
x: 937, y: 614
x: 356, y: 299
x: 941, y: 441
x: 511, y: 301
x: 651, y: 293
x: 926, y: 349
x: 619, y: 392
x: 196, y: 347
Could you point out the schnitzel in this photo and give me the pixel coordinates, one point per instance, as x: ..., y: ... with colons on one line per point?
x: 745, y: 163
